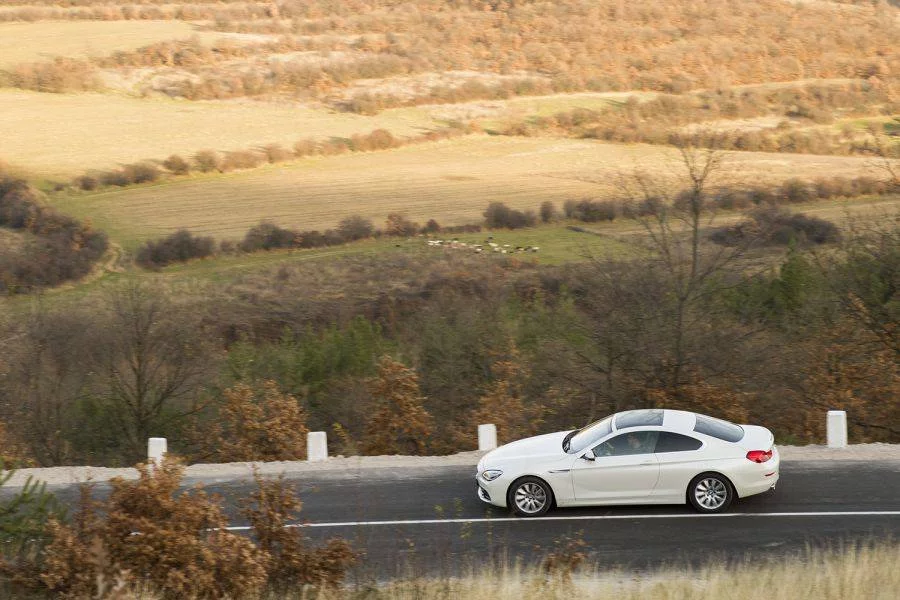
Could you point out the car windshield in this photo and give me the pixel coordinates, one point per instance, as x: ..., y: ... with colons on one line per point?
x: 580, y: 439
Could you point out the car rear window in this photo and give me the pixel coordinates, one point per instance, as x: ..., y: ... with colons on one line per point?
x: 639, y: 418
x: 718, y: 428
x: 675, y: 442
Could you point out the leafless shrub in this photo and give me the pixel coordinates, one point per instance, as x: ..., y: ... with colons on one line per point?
x: 241, y: 159
x: 208, y: 161
x: 177, y: 165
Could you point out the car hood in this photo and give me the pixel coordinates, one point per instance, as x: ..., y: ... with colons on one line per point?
x: 544, y: 446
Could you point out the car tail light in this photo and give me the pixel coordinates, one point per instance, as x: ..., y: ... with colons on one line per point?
x: 759, y: 456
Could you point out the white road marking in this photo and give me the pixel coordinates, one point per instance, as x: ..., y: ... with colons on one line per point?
x: 876, y: 513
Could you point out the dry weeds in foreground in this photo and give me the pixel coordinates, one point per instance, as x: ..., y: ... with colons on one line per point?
x: 865, y: 571
x: 860, y: 572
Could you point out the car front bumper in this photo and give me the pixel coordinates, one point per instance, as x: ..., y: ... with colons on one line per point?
x: 491, y: 492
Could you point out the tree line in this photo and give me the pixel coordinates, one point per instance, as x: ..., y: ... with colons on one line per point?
x: 460, y: 341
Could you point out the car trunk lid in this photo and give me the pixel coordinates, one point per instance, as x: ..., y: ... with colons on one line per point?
x: 756, y: 438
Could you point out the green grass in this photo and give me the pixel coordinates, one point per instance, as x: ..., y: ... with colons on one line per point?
x: 557, y: 245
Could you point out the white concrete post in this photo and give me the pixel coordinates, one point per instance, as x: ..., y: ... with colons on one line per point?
x: 156, y: 449
x: 316, y: 446
x: 487, y: 437
x: 836, y: 428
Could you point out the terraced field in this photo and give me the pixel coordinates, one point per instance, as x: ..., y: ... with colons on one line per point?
x: 451, y: 181
x: 45, y: 40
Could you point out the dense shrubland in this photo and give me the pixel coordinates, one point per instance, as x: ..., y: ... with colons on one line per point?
x: 325, y: 346
x: 56, y: 248
x: 802, y: 110
x: 528, y: 47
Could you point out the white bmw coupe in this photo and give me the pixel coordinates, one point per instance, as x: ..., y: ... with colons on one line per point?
x: 653, y: 456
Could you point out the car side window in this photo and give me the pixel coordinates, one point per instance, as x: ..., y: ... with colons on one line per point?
x: 634, y: 442
x: 675, y: 442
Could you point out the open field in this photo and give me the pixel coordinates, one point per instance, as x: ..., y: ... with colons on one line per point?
x: 65, y: 135
x: 451, y: 181
x: 45, y: 40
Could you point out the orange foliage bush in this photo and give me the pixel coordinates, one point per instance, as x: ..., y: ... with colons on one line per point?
x: 503, y: 402
x: 290, y: 562
x: 400, y: 423
x: 150, y: 534
x: 266, y: 426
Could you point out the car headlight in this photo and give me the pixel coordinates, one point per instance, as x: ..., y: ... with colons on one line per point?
x: 491, y: 474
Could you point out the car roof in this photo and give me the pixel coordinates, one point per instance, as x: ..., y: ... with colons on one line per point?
x: 673, y: 420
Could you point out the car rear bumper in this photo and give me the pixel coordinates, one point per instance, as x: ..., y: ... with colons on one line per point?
x: 758, y: 478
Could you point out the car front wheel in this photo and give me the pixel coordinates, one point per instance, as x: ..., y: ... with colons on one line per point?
x: 530, y: 497
x: 710, y: 493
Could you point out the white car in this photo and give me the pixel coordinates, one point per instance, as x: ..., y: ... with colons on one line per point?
x: 653, y: 456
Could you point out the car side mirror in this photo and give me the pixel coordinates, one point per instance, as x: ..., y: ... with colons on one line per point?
x: 589, y: 456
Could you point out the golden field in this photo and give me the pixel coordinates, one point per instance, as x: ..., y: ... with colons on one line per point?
x: 44, y: 40
x: 68, y: 134
x: 450, y: 181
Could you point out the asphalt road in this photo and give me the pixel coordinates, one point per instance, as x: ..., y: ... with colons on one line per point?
x: 428, y: 521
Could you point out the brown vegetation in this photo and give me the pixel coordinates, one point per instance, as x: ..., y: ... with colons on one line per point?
x: 664, y: 120
x: 260, y: 425
x: 521, y: 49
x: 59, y: 248
x: 150, y: 535
x: 207, y: 161
x: 399, y: 424
x: 503, y: 404
x: 181, y: 246
x: 292, y: 563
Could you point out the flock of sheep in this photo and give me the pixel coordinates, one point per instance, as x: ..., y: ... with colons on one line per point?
x: 487, y: 246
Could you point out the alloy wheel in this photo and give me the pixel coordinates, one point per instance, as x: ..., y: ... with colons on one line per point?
x: 710, y: 493
x: 530, y: 497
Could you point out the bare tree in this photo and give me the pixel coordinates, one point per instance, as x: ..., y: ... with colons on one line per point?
x: 887, y: 158
x: 47, y: 375
x: 675, y: 213
x: 150, y: 365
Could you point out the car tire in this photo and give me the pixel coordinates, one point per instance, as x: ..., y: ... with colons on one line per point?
x: 530, y: 497
x: 710, y: 493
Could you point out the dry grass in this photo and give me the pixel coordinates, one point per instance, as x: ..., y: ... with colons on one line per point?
x: 64, y: 135
x: 860, y: 571
x: 45, y: 40
x: 451, y: 181
x: 11, y: 241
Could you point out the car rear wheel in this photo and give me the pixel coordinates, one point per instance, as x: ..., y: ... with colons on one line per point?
x: 710, y: 493
x: 530, y: 497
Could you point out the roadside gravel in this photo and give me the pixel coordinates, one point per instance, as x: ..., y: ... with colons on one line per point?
x: 359, y: 466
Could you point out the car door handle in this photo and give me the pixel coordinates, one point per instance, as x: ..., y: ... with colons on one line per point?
x: 644, y: 464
